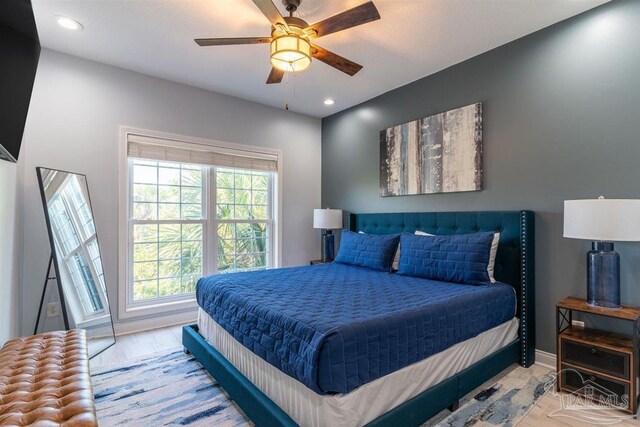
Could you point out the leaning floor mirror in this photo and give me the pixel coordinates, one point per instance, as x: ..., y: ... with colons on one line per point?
x: 79, y: 301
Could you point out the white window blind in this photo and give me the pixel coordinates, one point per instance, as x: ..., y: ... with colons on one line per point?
x: 156, y: 149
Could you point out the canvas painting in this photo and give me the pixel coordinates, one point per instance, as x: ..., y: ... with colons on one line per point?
x: 437, y: 154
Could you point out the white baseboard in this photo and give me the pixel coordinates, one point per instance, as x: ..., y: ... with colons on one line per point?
x: 148, y: 324
x: 548, y: 360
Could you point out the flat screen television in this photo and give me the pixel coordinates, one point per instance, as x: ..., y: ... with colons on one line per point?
x: 19, y: 53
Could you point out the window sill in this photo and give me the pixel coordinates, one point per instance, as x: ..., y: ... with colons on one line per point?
x: 158, y: 308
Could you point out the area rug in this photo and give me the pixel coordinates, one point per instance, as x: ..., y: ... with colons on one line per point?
x: 170, y: 389
x: 174, y: 389
x: 501, y: 401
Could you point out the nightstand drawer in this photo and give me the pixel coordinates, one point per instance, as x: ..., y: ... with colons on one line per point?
x: 596, y: 358
x: 613, y: 391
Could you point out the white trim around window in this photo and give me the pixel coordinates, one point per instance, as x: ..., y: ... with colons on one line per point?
x: 126, y: 308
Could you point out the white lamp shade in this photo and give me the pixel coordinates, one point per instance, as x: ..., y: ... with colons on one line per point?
x: 327, y: 218
x: 602, y: 220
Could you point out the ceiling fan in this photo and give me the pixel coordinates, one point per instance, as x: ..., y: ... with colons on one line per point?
x: 290, y: 41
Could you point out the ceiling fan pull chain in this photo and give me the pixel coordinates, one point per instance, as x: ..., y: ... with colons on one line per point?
x: 286, y: 94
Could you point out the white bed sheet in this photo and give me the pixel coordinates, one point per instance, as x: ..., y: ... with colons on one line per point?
x: 366, y: 402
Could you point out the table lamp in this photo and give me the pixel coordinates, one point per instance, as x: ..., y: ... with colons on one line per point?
x: 327, y: 219
x: 603, y: 221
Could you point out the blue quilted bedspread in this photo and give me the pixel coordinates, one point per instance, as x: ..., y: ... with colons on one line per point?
x: 335, y: 327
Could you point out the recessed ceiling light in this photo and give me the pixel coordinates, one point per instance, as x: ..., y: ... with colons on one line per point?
x: 68, y: 23
x: 329, y: 101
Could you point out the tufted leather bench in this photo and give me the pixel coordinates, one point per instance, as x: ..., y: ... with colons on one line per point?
x: 44, y: 381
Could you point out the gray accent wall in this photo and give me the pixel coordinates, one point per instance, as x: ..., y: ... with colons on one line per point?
x: 561, y: 121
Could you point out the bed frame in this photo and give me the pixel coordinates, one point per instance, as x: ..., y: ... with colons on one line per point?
x: 514, y: 266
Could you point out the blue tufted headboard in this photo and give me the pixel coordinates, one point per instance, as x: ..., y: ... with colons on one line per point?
x: 514, y: 261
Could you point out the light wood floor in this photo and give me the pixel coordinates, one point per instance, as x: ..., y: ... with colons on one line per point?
x: 139, y: 345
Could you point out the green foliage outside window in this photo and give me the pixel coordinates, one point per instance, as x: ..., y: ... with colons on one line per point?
x: 242, y: 196
x: 168, y: 235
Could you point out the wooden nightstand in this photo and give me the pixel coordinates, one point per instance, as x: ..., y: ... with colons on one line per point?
x: 319, y: 261
x: 598, y: 362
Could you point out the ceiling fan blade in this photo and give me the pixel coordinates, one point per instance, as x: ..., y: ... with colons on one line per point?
x: 272, y: 13
x: 336, y: 61
x: 359, y: 15
x: 233, y: 40
x: 275, y: 76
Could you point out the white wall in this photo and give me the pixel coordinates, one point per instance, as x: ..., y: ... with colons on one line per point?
x: 9, y: 250
x: 76, y: 110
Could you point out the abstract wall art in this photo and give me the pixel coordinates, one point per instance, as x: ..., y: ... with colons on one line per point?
x: 436, y: 154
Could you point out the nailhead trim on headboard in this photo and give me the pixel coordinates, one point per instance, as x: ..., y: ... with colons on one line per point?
x: 523, y: 289
x: 527, y: 297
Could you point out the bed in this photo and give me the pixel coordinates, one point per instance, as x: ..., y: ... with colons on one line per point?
x: 341, y: 345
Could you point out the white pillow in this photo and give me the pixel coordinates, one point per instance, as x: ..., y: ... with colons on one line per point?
x: 492, y: 256
x: 396, y: 259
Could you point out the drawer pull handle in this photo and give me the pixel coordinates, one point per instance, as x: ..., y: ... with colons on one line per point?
x: 594, y: 350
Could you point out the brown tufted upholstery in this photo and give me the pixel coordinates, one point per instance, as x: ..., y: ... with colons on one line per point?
x: 44, y: 381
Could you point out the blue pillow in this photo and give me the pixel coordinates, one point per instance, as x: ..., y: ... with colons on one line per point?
x: 457, y: 258
x: 367, y: 250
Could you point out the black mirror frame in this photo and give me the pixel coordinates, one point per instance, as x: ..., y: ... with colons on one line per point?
x: 54, y: 258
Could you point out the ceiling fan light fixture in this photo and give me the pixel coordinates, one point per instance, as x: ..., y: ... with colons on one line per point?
x: 290, y: 42
x: 290, y: 53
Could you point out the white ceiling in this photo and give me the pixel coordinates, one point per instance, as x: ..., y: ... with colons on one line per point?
x: 413, y: 39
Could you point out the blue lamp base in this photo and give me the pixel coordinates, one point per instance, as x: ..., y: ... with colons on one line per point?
x: 603, y: 275
x: 328, y: 251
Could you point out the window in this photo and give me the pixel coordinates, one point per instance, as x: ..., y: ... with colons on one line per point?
x: 74, y: 233
x: 167, y: 221
x: 243, y: 219
x: 192, y: 213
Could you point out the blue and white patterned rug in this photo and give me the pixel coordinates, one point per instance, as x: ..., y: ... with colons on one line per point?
x: 171, y: 389
x: 174, y: 389
x: 502, y: 401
